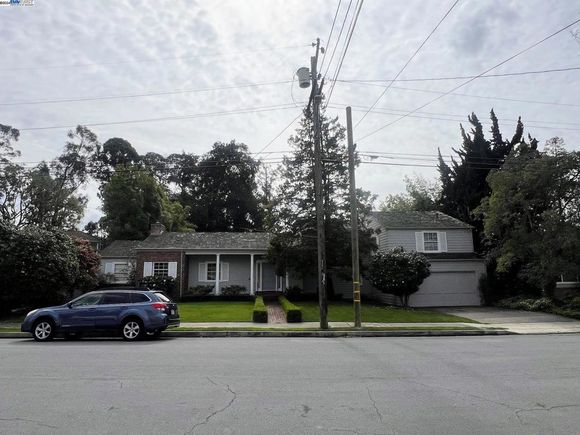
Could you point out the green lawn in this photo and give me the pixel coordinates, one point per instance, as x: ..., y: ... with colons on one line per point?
x: 216, y: 311
x: 343, y: 312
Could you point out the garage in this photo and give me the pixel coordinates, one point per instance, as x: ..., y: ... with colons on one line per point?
x: 451, y: 283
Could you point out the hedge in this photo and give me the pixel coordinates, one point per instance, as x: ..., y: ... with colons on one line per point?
x: 293, y: 312
x: 260, y: 313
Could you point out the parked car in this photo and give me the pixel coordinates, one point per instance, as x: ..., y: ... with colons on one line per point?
x: 132, y: 313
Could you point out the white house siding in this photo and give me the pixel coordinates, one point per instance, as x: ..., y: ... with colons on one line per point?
x: 108, y: 266
x: 239, y: 270
x: 458, y: 240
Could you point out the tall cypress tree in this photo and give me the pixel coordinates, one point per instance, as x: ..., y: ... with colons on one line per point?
x: 464, y: 182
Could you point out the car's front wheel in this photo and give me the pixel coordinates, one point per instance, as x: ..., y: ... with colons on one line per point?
x: 43, y: 330
x: 132, y: 329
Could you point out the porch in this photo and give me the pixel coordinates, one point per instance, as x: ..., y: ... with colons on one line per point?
x: 223, y: 270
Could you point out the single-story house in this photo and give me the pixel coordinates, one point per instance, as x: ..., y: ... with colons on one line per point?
x: 447, y: 243
x: 216, y: 259
x: 118, y: 260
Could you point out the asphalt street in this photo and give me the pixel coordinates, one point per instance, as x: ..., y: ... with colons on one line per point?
x: 434, y: 385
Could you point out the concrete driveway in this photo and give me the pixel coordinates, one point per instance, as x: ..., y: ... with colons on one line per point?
x: 521, y: 322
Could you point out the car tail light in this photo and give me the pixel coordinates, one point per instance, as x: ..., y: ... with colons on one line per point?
x: 161, y: 306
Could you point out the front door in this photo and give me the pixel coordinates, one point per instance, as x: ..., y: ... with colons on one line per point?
x: 265, y: 277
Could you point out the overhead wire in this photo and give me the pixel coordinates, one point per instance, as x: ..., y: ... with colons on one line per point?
x: 346, y: 45
x: 407, y: 63
x: 472, y: 79
x: 330, y: 35
x: 338, y: 39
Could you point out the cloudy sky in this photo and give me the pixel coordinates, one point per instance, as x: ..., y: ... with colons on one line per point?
x: 80, y: 50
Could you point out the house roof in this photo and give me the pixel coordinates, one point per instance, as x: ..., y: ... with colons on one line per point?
x: 81, y: 235
x: 120, y: 249
x: 417, y: 220
x: 193, y: 241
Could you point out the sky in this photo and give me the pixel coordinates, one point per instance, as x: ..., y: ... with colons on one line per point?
x: 75, y: 49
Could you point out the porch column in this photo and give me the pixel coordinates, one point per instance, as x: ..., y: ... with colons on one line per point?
x: 217, y: 274
x: 252, y: 274
x: 287, y: 280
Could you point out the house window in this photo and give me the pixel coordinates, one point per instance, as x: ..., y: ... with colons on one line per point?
x: 161, y: 269
x: 430, y: 242
x: 207, y: 271
x: 121, y: 272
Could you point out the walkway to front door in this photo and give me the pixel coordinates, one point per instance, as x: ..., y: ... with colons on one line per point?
x: 275, y: 312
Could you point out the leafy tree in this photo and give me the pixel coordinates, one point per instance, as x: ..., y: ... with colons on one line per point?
x: 183, y: 174
x: 464, y: 182
x: 422, y: 195
x: 398, y: 272
x: 7, y: 136
x: 48, y: 195
x: 224, y: 198
x: 37, y: 267
x: 92, y: 228
x: 115, y: 152
x: 88, y: 267
x: 532, y: 217
x: 132, y: 200
x: 157, y: 165
x: 294, y: 212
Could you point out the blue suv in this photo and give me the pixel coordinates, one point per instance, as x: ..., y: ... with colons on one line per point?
x: 132, y: 313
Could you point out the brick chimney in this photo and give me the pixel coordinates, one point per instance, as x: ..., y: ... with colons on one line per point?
x: 157, y: 229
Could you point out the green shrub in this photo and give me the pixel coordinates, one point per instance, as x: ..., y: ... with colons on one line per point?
x: 574, y: 302
x: 527, y: 304
x: 199, y: 290
x: 260, y: 313
x: 293, y: 312
x: 233, y: 290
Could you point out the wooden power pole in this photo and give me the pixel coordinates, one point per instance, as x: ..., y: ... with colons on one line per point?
x: 321, y: 245
x: 353, y: 222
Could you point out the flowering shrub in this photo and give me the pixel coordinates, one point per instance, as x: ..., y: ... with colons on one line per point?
x: 398, y: 272
x: 166, y: 284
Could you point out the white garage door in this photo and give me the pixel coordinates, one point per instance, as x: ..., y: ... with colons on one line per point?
x: 446, y: 288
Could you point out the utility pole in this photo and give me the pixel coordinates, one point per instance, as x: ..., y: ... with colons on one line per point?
x: 353, y: 222
x: 316, y: 97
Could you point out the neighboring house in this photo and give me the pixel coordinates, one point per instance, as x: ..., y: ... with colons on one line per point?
x: 95, y: 242
x: 447, y: 243
x: 118, y: 260
x: 209, y: 259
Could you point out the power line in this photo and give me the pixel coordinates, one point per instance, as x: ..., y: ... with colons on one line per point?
x: 474, y: 78
x: 346, y: 45
x: 408, y: 61
x: 431, y: 79
x: 278, y: 135
x: 170, y: 118
x: 330, y: 34
x: 160, y: 59
x: 337, y: 40
x: 436, y: 118
x: 460, y: 94
x: 146, y: 94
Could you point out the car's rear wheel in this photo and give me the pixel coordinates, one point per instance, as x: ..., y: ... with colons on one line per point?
x: 43, y: 330
x: 132, y: 329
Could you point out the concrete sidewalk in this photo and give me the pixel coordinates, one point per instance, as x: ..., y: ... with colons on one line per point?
x: 333, y: 325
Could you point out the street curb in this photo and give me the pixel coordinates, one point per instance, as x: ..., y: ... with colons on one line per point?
x: 314, y: 334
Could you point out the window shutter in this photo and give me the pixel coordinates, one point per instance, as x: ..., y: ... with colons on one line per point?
x: 419, y: 241
x: 109, y: 268
x: 172, y: 269
x: 442, y: 241
x: 147, y: 269
x: 202, y: 272
x: 224, y: 271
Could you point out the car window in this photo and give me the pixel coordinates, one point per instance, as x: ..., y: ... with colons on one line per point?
x: 162, y: 297
x: 91, y: 299
x: 139, y: 297
x: 116, y: 298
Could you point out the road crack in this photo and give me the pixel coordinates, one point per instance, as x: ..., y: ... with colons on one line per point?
x: 216, y: 412
x: 375, y: 405
x: 541, y: 408
x: 27, y: 420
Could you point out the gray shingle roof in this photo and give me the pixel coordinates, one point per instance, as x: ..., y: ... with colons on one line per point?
x: 81, y: 235
x: 120, y: 248
x: 417, y: 219
x: 192, y: 241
